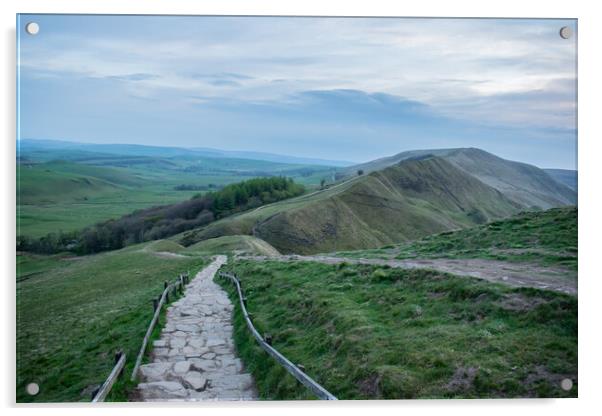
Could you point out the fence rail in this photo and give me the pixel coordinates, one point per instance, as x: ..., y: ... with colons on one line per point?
x: 104, y: 390
x: 293, y: 369
x: 178, y: 285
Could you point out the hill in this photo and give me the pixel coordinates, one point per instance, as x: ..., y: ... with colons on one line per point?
x: 564, y: 176
x: 64, y: 186
x: 426, y: 192
x: 400, y: 203
x: 525, y: 184
x: 544, y: 237
x: 40, y: 148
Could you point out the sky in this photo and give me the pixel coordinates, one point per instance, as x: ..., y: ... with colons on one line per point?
x: 351, y: 89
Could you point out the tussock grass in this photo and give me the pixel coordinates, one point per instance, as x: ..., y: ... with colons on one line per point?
x: 547, y: 237
x: 368, y: 332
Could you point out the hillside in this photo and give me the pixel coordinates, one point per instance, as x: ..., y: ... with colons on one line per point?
x: 242, y: 244
x: 64, y: 186
x: 403, y: 202
x: 564, y: 176
x: 522, y: 183
x: 73, y: 313
x: 371, y: 332
x: 544, y: 237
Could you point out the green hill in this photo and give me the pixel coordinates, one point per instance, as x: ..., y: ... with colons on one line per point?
x: 402, y: 198
x: 548, y: 237
x: 403, y: 202
x: 525, y: 184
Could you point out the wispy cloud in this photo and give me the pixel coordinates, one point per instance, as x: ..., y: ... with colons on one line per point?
x: 508, y: 73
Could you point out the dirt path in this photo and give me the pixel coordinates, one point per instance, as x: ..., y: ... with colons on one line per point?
x: 513, y: 274
x: 195, y: 358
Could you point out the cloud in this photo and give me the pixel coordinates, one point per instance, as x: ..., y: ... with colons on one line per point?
x: 509, y: 74
x: 133, y: 77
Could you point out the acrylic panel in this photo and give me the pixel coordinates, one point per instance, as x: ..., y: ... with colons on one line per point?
x: 295, y: 208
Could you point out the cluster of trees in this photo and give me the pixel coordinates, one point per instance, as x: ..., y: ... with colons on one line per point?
x: 253, y: 193
x: 164, y: 221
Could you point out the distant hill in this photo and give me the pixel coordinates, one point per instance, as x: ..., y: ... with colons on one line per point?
x: 81, y: 149
x: 398, y: 199
x: 525, y: 184
x: 564, y: 176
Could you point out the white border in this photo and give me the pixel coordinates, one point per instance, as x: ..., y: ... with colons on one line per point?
x: 589, y: 190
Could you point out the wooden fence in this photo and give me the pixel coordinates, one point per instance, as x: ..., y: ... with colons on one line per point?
x: 174, y: 287
x: 101, y: 393
x: 265, y: 342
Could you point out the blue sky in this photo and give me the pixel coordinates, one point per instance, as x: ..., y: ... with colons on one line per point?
x: 347, y: 89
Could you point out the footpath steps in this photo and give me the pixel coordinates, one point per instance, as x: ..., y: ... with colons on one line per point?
x: 195, y: 358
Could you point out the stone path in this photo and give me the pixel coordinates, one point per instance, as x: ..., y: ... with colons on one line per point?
x: 195, y: 358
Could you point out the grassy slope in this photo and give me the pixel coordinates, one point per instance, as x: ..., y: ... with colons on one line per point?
x: 403, y: 202
x: 231, y: 243
x: 366, y: 332
x: 564, y: 176
x: 548, y: 237
x: 523, y: 183
x: 75, y: 313
x: 90, y: 187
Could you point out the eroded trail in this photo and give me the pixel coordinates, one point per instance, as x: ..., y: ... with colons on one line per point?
x: 195, y: 358
x: 509, y: 273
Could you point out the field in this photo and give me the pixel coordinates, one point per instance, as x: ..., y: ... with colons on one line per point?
x: 75, y: 312
x: 544, y: 237
x: 366, y: 332
x: 66, y: 196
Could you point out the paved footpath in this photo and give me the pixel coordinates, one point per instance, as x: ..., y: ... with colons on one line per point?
x: 195, y: 358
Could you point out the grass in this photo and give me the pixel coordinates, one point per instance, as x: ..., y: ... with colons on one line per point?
x: 233, y: 243
x: 76, y: 312
x: 66, y: 196
x: 547, y: 237
x: 365, y: 332
x: 401, y: 203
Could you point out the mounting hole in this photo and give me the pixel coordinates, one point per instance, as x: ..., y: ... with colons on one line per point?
x: 32, y: 28
x: 566, y: 384
x: 32, y: 389
x: 566, y: 32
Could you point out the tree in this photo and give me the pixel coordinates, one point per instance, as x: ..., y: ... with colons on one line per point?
x: 360, y: 172
x: 322, y: 183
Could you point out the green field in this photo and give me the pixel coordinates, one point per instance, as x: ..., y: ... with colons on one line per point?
x: 546, y: 237
x: 365, y: 332
x: 66, y: 196
x: 73, y: 313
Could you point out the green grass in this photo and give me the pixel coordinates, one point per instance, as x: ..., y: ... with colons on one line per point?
x: 75, y: 313
x: 547, y: 237
x: 233, y: 243
x: 401, y: 203
x: 66, y: 196
x: 376, y: 333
